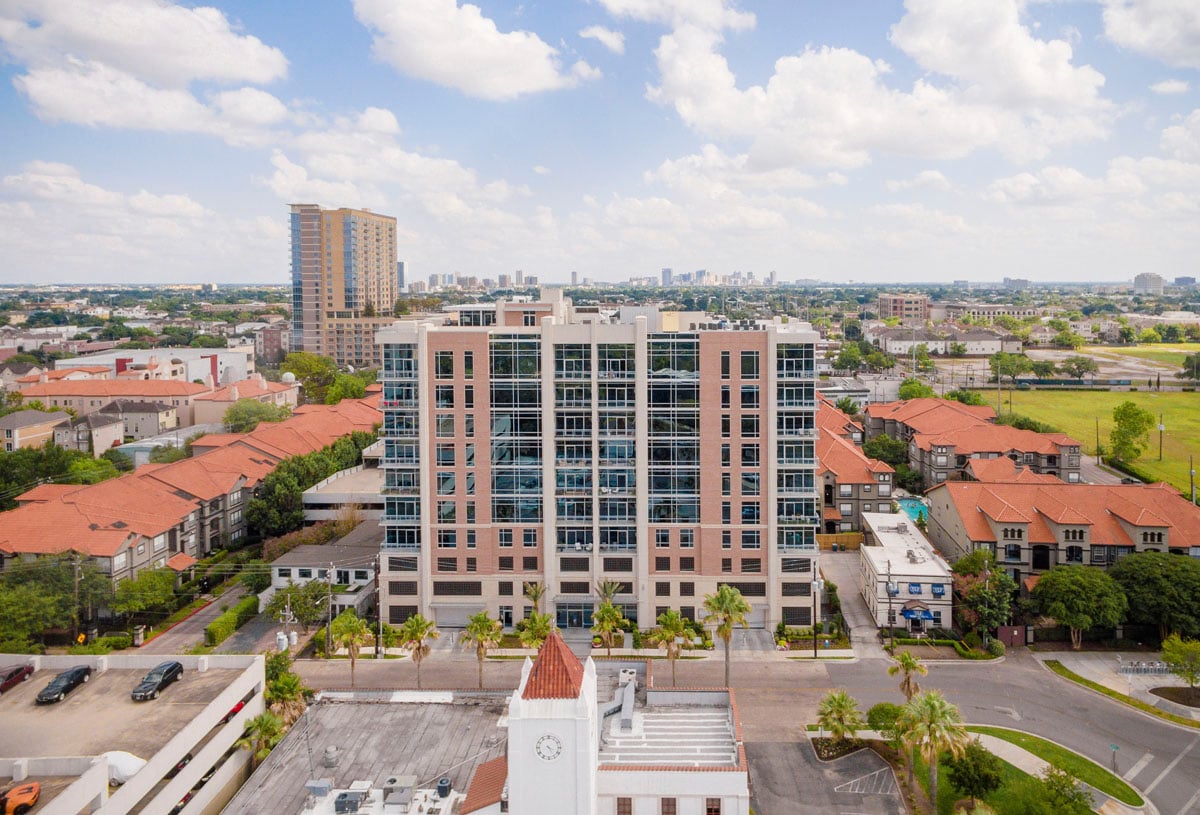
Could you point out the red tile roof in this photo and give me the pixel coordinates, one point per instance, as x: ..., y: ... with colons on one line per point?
x: 557, y: 673
x: 1004, y: 469
x: 994, y: 438
x: 252, y: 388
x: 181, y: 561
x: 487, y: 785
x: 930, y: 414
x: 150, y: 389
x: 847, y: 461
x: 62, y: 373
x: 1106, y: 509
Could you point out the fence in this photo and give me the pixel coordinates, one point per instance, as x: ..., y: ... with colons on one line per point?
x: 842, y: 540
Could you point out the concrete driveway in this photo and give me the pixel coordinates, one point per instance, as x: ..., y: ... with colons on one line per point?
x: 842, y: 569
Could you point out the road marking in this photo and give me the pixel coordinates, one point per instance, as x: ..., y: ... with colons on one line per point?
x: 1170, y: 767
x: 880, y: 782
x: 1190, y: 803
x: 1137, y: 768
x: 1008, y: 711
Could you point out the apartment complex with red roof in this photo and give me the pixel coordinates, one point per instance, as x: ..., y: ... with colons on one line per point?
x: 945, y: 436
x: 210, y: 407
x: 90, y: 395
x: 851, y: 482
x: 144, y: 518
x: 1033, y: 527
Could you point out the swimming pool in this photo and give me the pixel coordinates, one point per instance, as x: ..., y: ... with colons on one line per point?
x: 913, y: 507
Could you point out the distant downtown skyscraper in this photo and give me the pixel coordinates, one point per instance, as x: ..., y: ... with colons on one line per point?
x: 345, y: 280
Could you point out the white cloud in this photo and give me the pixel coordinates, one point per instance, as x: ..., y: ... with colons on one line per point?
x: 612, y: 40
x: 456, y: 46
x: 713, y: 15
x: 540, y: 170
x: 1170, y: 87
x: 56, y: 225
x: 1182, y: 141
x: 924, y: 180
x: 128, y: 64
x: 1058, y: 185
x: 1167, y: 30
x: 159, y: 41
x: 918, y: 217
x: 834, y: 106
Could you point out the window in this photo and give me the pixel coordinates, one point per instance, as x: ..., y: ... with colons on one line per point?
x: 795, y: 564
x: 752, y: 565
x: 443, y: 364
x: 724, y: 455
x: 624, y: 806
x: 529, y: 537
x: 505, y: 538
x: 725, y: 396
x: 687, y: 564
x: 725, y: 426
x: 443, y: 396
x: 662, y: 589
x: 725, y: 356
x: 667, y: 807
x: 726, y: 484
x: 470, y: 564
x: 749, y: 455
x: 797, y: 589
x: 727, y: 565
x: 282, y: 573
x: 751, y: 539
x: 445, y: 455
x: 749, y: 396
x: 445, y: 425
x: 751, y: 483
x: 447, y: 538
x: 444, y: 588
x: 751, y: 512
x: 469, y: 396
x: 749, y: 365
x: 662, y: 564
x: 1074, y: 554
x: 845, y: 490
x: 712, y: 806
x: 447, y: 564
x: 505, y: 588
x: 662, y: 537
x: 506, y: 564
x: 447, y: 512
x: 726, y: 539
x: 726, y: 512
x: 1012, y: 551
x: 303, y: 574
x: 750, y: 427
x: 529, y: 564
x: 687, y: 538
x: 469, y: 364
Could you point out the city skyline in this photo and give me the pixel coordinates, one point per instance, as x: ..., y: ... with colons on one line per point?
x: 929, y: 141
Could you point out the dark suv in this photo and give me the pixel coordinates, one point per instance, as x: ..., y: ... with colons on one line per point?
x: 63, y: 684
x: 158, y: 678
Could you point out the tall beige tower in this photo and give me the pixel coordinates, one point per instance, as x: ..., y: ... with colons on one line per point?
x: 343, y: 270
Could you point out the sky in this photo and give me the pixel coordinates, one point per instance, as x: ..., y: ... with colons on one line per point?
x: 866, y: 141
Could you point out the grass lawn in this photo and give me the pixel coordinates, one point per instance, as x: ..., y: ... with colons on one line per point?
x: 1086, y: 771
x: 1075, y: 413
x: 948, y: 794
x: 1168, y: 353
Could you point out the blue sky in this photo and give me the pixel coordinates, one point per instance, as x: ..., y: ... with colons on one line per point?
x: 844, y: 140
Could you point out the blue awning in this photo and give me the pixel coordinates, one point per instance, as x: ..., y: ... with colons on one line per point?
x: 917, y: 614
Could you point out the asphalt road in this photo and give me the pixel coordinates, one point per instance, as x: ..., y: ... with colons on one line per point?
x: 181, y: 638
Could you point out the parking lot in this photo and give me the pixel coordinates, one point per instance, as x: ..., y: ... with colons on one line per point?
x: 99, y: 715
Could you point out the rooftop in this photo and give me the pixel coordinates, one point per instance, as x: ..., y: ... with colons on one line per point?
x: 32, y: 418
x: 374, y: 741
x: 676, y: 729
x: 901, y: 546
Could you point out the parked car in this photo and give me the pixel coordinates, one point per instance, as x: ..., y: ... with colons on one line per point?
x: 183, y: 762
x: 11, y: 677
x: 235, y: 710
x: 63, y: 684
x: 19, y: 798
x: 182, y: 802
x: 154, y: 682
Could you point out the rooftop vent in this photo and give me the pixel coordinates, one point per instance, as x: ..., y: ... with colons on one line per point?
x: 331, y: 756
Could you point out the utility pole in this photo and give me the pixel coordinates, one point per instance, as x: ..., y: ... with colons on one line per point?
x: 1099, y: 460
x: 1192, y: 478
x: 75, y: 607
x: 329, y: 614
x: 1161, y: 428
x: 379, y: 605
x: 891, y: 620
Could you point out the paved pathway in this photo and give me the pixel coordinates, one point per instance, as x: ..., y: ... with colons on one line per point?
x: 184, y: 636
x: 842, y: 569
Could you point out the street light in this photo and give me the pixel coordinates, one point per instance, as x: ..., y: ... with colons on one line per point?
x: 817, y: 586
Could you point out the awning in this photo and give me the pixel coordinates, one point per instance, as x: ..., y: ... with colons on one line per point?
x: 181, y: 562
x: 917, y: 614
x: 831, y: 514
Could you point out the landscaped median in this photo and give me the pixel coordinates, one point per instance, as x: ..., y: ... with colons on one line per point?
x: 231, y: 620
x: 1067, y: 673
x: 1086, y: 770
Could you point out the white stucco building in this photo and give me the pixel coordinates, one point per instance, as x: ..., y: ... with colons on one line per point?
x: 905, y: 582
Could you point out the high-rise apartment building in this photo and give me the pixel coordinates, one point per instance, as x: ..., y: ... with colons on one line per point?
x: 344, y: 276
x: 903, y: 306
x: 1149, y: 283
x: 669, y: 454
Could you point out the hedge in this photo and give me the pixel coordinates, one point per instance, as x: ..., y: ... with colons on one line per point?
x: 962, y: 650
x: 231, y: 620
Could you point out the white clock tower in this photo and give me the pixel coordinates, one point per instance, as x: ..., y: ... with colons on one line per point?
x: 553, y: 735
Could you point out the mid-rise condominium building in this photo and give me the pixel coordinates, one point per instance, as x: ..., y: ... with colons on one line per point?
x: 659, y: 450
x: 344, y: 274
x: 903, y: 306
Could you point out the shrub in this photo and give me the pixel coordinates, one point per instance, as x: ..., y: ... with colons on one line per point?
x: 315, y: 535
x: 116, y: 642
x: 971, y: 640
x: 96, y: 648
x: 882, y: 717
x: 996, y: 648
x: 231, y: 620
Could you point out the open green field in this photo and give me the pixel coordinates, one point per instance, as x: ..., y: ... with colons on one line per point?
x: 1168, y: 354
x: 1076, y: 413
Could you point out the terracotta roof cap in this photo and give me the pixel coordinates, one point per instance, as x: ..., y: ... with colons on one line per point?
x: 557, y: 673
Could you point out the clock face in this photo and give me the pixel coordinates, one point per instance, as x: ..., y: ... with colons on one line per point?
x: 548, y: 747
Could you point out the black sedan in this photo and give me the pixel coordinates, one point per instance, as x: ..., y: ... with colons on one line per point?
x: 11, y: 677
x: 158, y: 678
x: 63, y: 684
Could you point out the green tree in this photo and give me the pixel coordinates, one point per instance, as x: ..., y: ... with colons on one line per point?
x: 534, y: 592
x: 350, y: 632
x: 57, y: 577
x: 345, y: 386
x: 262, y: 733
x: 285, y: 696
x: 849, y: 358
x: 672, y: 635
x: 1080, y: 598
x: 726, y: 608
x: 536, y: 629
x: 167, y: 454
x: 886, y: 449
x: 931, y: 726
x: 415, y: 634
x: 245, y: 414
x: 882, y: 719
x: 915, y: 389
x: 956, y: 349
x: 976, y: 773
x: 1067, y: 339
x: 122, y: 462
x: 1055, y: 792
x: 1131, y: 427
x: 1163, y: 589
x: 91, y: 470
x: 26, y: 610
x: 306, y: 601
x: 847, y: 405
x: 151, y: 590
x: 1183, y: 656
x: 483, y: 634
x: 1011, y: 365
x: 1043, y: 369
x: 983, y: 593
x: 838, y: 713
x: 967, y: 397
x: 606, y: 622
x: 1077, y: 367
x: 607, y: 590
x: 911, y: 666
x: 314, y: 372
x: 1191, y: 367
x: 1149, y: 336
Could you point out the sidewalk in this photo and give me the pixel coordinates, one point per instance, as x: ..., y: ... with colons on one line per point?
x: 1104, y: 668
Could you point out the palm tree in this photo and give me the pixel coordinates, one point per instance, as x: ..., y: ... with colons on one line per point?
x: 726, y: 608
x: 838, y: 713
x: 931, y: 725
x: 285, y: 696
x: 262, y: 733
x: 606, y: 622
x: 537, y: 629
x: 350, y: 632
x: 672, y: 634
x: 911, y: 666
x: 415, y: 633
x: 607, y: 590
x: 534, y: 592
x: 483, y: 633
